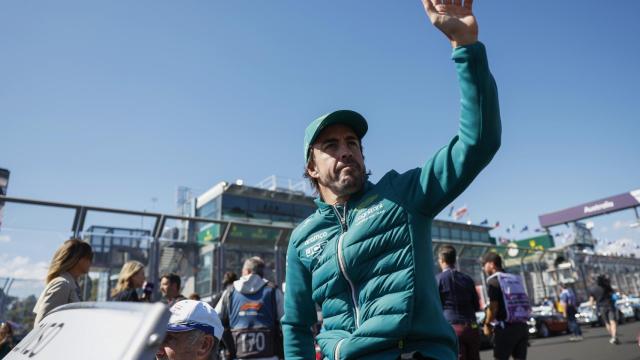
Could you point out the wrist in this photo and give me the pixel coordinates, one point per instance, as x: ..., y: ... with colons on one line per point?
x: 464, y: 41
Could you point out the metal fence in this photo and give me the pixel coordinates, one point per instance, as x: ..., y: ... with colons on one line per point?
x: 544, y: 270
x: 202, y: 250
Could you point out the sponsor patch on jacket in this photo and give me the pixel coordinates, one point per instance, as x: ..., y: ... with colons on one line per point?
x: 368, y: 213
x: 314, y: 250
x: 315, y: 243
x: 250, y: 309
x: 316, y: 237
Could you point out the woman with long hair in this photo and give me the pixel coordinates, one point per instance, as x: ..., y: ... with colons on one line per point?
x: 6, y: 339
x: 72, y: 260
x: 131, y: 278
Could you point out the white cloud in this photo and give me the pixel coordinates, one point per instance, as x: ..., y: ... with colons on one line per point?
x: 622, y: 224
x: 22, y: 268
x: 5, y: 238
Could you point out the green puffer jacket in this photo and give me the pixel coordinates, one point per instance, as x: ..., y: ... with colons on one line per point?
x: 369, y: 264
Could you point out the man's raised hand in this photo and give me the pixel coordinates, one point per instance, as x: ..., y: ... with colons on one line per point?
x: 454, y: 18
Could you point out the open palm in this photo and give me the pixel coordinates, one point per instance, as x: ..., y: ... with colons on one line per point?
x: 454, y: 18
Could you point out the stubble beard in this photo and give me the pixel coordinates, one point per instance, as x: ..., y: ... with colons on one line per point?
x: 348, y: 185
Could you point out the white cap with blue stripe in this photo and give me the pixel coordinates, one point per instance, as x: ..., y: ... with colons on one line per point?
x: 187, y: 315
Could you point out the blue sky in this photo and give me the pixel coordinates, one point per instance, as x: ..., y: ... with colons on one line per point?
x: 113, y: 104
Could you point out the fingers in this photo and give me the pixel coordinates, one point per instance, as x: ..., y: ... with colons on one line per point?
x: 429, y: 5
x: 448, y: 2
x: 467, y: 4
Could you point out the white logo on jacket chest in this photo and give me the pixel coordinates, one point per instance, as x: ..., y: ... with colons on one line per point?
x: 315, y: 237
x: 366, y: 214
x: 314, y: 250
x: 318, y: 241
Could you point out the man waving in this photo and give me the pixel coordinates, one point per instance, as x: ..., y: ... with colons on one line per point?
x: 365, y: 255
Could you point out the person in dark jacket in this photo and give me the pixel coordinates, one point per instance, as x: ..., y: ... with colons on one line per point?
x: 228, y: 279
x: 365, y: 255
x: 250, y: 311
x: 460, y: 302
x: 508, y: 310
x: 601, y: 295
x: 130, y: 280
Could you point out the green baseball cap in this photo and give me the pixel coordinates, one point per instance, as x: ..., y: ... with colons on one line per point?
x: 349, y: 118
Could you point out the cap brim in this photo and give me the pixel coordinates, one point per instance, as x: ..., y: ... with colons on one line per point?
x: 208, y: 329
x: 350, y: 118
x: 179, y: 328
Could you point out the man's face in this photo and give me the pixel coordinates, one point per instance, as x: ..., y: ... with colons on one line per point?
x: 489, y: 268
x: 443, y: 265
x: 167, y: 288
x: 176, y: 347
x: 184, y: 346
x: 337, y: 161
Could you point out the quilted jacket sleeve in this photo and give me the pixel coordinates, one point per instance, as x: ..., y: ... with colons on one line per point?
x: 447, y: 174
x: 299, y: 309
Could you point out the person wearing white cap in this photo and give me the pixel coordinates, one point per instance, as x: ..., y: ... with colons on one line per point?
x: 193, y: 332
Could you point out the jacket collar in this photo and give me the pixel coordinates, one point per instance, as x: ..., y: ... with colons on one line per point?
x: 70, y: 279
x: 249, y: 284
x: 324, y: 207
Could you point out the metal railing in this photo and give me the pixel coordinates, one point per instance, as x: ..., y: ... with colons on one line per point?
x: 159, y: 222
x: 542, y: 269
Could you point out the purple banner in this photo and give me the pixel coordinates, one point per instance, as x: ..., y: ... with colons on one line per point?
x: 594, y: 208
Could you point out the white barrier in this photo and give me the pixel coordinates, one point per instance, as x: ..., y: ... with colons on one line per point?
x: 99, y: 331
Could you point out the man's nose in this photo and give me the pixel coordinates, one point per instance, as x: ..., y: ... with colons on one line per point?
x: 345, y: 152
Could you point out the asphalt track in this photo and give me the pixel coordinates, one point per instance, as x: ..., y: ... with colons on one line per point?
x: 595, y: 346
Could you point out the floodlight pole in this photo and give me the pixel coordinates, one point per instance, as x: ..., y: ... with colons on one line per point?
x: 154, y: 253
x: 522, y: 273
x: 78, y: 221
x: 540, y: 273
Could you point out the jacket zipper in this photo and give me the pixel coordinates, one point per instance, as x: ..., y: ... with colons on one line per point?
x: 336, y: 355
x: 341, y: 262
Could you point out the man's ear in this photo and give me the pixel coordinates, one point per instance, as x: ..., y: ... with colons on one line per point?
x: 312, y: 170
x: 206, y: 346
